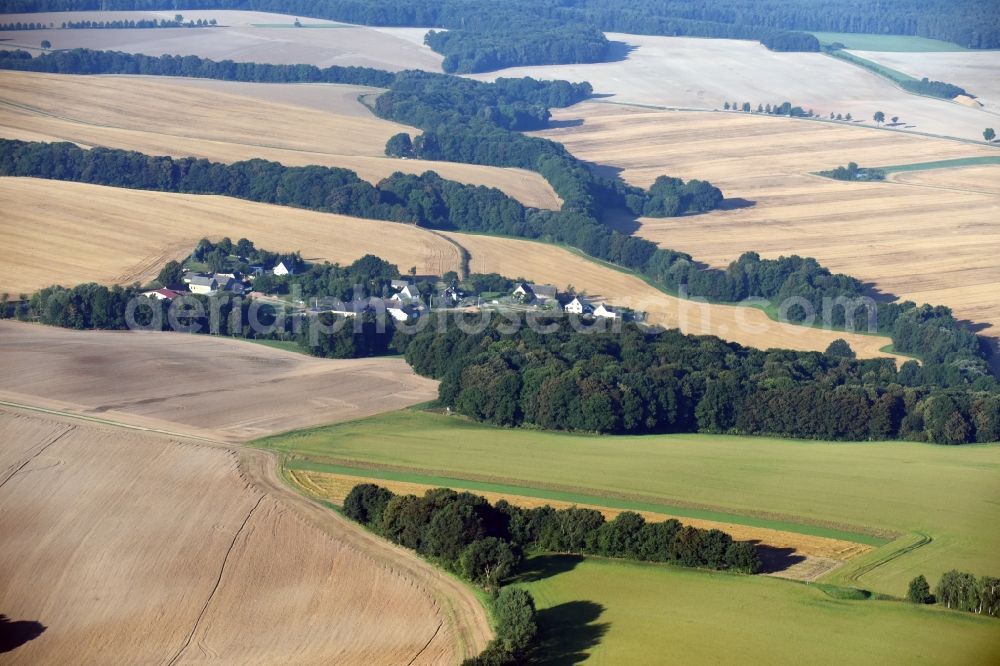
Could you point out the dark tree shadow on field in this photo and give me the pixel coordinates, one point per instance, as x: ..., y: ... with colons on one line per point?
x: 776, y: 559
x: 736, y: 203
x: 618, y: 51
x: 16, y: 634
x: 545, y: 566
x: 567, y: 632
x: 559, y: 124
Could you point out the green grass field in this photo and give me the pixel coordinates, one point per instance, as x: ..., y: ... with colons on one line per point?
x: 942, y: 164
x: 949, y: 494
x: 608, y: 612
x: 889, y: 43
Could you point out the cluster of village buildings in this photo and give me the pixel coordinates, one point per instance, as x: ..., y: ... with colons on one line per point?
x: 405, y: 303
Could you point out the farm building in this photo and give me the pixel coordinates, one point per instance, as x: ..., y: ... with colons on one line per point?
x: 603, y: 310
x: 577, y: 306
x: 526, y: 293
x: 162, y: 294
x: 284, y: 268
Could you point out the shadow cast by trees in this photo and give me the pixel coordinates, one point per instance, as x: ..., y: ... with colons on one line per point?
x: 618, y: 51
x: 14, y: 634
x: 567, y: 632
x: 776, y: 559
x: 736, y: 203
x: 539, y: 568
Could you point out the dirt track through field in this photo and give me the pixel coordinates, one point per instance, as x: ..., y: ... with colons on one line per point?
x: 218, y: 388
x: 296, y: 125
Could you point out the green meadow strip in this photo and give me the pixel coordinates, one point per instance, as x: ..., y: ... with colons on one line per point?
x: 942, y: 164
x: 578, y: 498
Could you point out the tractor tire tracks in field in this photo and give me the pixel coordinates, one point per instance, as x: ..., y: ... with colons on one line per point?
x: 40, y: 450
x: 218, y: 582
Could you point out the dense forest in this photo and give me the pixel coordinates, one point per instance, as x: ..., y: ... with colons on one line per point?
x: 637, y: 381
x: 486, y: 35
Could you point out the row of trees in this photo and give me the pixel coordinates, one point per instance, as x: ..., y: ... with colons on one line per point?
x: 89, y: 61
x: 948, y: 350
x: 961, y: 591
x: 485, y: 543
x: 635, y: 381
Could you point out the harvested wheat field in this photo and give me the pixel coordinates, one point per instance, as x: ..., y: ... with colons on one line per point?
x: 976, y: 71
x: 690, y: 72
x: 91, y: 233
x: 981, y: 179
x: 749, y: 326
x: 924, y: 244
x: 296, y: 125
x: 240, y: 36
x: 136, y: 548
x: 219, y: 388
x: 820, y: 554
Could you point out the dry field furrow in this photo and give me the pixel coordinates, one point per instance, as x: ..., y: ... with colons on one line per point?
x: 136, y: 548
x: 90, y: 233
x: 219, y: 388
x: 240, y: 36
x: 296, y: 125
x: 746, y: 325
x: 935, y: 243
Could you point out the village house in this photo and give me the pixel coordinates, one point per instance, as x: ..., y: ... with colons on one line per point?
x: 162, y: 294
x: 202, y: 284
x: 603, y: 310
x: 409, y: 292
x: 577, y: 306
x: 395, y: 309
x: 527, y: 293
x: 283, y: 268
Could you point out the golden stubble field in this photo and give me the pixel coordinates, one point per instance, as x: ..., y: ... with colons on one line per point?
x: 89, y: 233
x: 132, y: 539
x: 930, y: 240
x: 296, y: 125
x: 240, y: 36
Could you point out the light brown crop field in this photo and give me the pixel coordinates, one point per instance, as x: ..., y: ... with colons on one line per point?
x: 983, y: 179
x: 138, y: 548
x: 690, y: 72
x: 820, y: 555
x: 240, y: 36
x: 746, y: 325
x: 220, y: 388
x: 933, y: 244
x: 976, y: 71
x: 90, y: 233
x: 297, y: 125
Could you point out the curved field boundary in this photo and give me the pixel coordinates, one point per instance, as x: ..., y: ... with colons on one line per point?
x: 905, y: 545
x: 584, y: 497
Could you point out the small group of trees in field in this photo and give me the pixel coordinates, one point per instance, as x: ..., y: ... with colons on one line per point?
x: 989, y: 134
x: 783, y: 109
x: 959, y: 590
x: 879, y: 119
x: 853, y: 172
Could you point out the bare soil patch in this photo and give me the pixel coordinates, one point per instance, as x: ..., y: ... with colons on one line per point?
x: 220, y: 388
x: 67, y: 233
x: 297, y: 125
x: 137, y: 548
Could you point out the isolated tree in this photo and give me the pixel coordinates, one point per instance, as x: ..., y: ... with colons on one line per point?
x: 172, y: 274
x: 895, y: 120
x: 726, y: 106
x: 46, y: 44
x: 178, y: 18
x: 839, y: 117
x: 920, y: 591
x: 839, y: 348
x: 989, y: 134
x: 760, y: 108
x: 848, y: 117
x: 879, y: 117
x: 832, y: 115
x: 746, y: 107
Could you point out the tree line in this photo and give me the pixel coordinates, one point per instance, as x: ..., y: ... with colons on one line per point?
x: 949, y: 351
x: 959, y: 590
x: 638, y: 381
x: 522, y: 32
x: 853, y: 172
x: 484, y: 542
